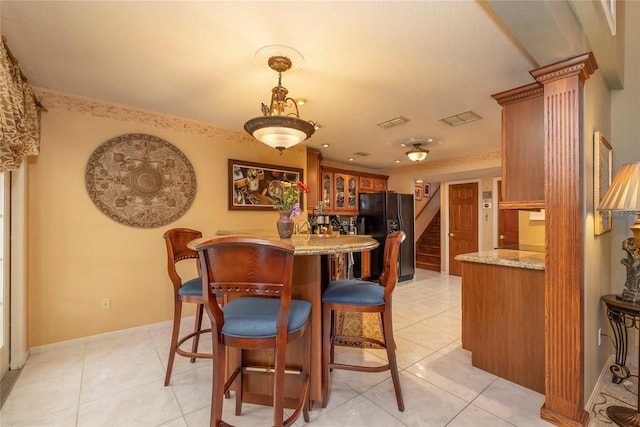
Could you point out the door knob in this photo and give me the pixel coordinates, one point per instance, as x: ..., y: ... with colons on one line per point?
x: 502, y: 237
x: 451, y: 234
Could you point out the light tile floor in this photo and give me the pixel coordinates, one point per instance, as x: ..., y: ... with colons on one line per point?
x: 117, y: 379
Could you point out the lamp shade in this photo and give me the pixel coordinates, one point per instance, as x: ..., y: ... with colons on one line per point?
x: 624, y: 192
x: 417, y: 153
x: 279, y: 132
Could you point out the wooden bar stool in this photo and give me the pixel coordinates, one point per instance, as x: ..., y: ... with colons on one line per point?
x: 364, y: 297
x: 255, y: 276
x: 190, y: 291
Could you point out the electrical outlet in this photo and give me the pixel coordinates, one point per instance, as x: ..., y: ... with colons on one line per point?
x: 106, y: 303
x: 599, y: 336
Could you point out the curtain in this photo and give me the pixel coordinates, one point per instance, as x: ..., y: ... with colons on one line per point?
x: 19, y: 114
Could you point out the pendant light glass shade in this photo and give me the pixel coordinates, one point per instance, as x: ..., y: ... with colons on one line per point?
x: 417, y: 153
x: 279, y: 132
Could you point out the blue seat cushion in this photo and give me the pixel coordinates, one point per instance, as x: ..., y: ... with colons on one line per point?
x: 354, y: 292
x: 191, y: 288
x: 255, y: 317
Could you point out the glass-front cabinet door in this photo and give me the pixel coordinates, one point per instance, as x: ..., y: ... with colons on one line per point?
x: 346, y: 192
x: 340, y: 191
x: 326, y: 194
x: 352, y: 193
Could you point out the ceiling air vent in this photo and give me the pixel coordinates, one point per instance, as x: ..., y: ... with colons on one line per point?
x: 461, y: 118
x: 361, y: 154
x: 393, y: 122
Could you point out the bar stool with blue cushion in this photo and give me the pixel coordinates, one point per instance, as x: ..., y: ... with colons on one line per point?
x: 255, y: 276
x: 364, y: 297
x: 190, y: 291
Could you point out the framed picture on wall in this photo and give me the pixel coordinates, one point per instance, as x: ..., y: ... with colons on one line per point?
x: 427, y: 190
x: 602, y: 166
x: 250, y: 184
x: 418, y: 192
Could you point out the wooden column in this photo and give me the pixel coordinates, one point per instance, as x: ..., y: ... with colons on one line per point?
x: 564, y: 238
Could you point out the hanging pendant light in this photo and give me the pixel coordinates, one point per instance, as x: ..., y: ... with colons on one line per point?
x: 280, y: 126
x: 417, y: 153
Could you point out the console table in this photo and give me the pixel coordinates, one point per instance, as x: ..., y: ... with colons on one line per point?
x: 622, y: 315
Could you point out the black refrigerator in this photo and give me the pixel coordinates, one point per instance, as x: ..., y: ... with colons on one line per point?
x: 385, y: 213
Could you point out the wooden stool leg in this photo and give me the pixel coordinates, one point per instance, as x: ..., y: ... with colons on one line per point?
x: 239, y: 379
x: 390, y: 345
x: 307, y: 374
x: 327, y: 344
x: 217, y: 389
x: 278, y: 386
x: 177, y: 316
x: 196, y: 329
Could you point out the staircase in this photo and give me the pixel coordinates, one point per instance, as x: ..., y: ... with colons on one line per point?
x: 428, y: 246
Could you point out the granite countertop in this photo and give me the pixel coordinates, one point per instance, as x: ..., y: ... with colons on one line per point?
x: 506, y: 257
x: 306, y: 244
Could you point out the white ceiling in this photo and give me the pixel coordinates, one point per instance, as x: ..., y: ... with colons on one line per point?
x: 365, y: 62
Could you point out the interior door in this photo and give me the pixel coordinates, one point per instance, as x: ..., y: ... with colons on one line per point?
x: 4, y: 276
x: 463, y: 223
x: 508, y: 227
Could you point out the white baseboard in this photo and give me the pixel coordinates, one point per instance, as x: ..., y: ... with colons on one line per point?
x: 100, y: 337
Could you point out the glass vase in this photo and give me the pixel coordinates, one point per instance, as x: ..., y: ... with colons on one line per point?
x: 284, y: 224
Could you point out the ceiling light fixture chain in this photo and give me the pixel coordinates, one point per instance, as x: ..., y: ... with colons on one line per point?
x: 278, y: 128
x: 279, y: 100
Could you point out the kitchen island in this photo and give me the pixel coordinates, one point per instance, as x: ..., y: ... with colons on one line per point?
x: 503, y: 314
x: 311, y: 273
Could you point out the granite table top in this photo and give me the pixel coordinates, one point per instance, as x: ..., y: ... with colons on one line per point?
x: 506, y: 257
x: 305, y: 244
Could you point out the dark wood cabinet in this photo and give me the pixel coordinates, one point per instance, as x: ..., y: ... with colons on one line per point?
x: 522, y: 147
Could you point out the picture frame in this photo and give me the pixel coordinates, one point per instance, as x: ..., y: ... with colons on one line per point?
x: 602, y: 171
x: 418, y: 192
x: 427, y: 190
x: 251, y: 183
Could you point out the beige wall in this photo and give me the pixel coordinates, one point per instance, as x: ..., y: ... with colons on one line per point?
x: 77, y: 255
x: 597, y: 274
x: 530, y: 232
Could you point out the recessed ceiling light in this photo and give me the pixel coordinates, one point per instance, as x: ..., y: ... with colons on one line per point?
x: 351, y: 159
x: 325, y: 145
x: 301, y: 101
x: 397, y: 161
x: 419, y: 181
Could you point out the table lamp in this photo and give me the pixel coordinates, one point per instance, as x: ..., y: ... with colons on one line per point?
x: 624, y: 196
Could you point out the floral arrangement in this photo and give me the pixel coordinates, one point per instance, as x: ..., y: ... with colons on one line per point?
x: 289, y: 197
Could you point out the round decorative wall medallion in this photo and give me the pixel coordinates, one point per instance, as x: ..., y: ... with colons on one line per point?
x: 140, y: 180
